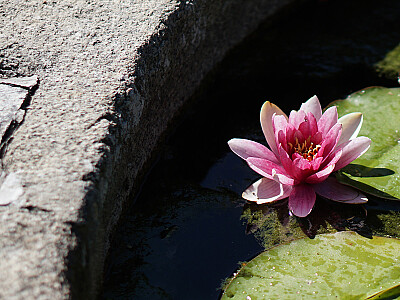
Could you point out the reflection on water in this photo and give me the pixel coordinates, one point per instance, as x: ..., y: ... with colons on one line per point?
x: 189, y: 227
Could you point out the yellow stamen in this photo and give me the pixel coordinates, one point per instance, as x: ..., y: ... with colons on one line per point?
x: 307, y: 149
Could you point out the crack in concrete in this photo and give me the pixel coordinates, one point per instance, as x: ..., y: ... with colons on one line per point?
x: 15, y: 96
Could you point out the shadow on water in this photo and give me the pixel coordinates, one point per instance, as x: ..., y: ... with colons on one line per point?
x: 363, y: 171
x: 189, y: 227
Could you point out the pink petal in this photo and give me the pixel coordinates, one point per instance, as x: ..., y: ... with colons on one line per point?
x: 267, y: 111
x: 321, y: 175
x: 285, y: 160
x: 309, y: 127
x: 296, y: 155
x: 317, y: 138
x: 328, y: 119
x: 283, y: 178
x: 264, y: 167
x: 352, y: 150
x: 290, y: 130
x: 351, y: 126
x: 316, y: 163
x: 332, y: 189
x: 330, y: 140
x: 301, y: 200
x: 246, y: 148
x: 265, y: 190
x: 299, y: 136
x: 302, y: 164
x: 313, y: 124
x: 279, y: 124
x: 296, y: 118
x: 333, y: 158
x: 313, y: 106
x: 281, y: 140
x: 304, y: 128
x: 302, y: 168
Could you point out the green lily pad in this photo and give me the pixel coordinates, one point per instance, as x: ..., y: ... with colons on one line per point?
x: 343, y: 265
x: 378, y: 170
x: 390, y: 293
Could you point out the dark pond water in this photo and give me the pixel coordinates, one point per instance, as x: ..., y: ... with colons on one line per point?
x: 189, y: 227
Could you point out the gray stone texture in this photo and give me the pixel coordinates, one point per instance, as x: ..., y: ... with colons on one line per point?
x: 112, y: 76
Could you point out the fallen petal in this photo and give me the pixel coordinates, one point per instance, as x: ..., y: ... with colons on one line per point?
x: 352, y: 150
x: 313, y: 106
x: 247, y: 148
x: 301, y: 200
x: 332, y: 189
x: 351, y: 126
x: 265, y: 190
x: 267, y: 111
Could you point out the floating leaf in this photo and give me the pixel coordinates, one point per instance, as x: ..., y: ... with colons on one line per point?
x: 376, y: 172
x: 343, y: 265
x: 390, y: 293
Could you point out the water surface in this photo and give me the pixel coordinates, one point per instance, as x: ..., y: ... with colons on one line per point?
x: 189, y: 227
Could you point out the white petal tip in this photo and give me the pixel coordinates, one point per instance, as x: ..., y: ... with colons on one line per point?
x: 250, y: 196
x: 266, y: 191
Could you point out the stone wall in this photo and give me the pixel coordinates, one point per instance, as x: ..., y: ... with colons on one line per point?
x: 112, y: 75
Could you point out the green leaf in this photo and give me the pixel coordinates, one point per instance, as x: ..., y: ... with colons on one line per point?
x: 377, y: 171
x: 343, y: 265
x: 390, y: 293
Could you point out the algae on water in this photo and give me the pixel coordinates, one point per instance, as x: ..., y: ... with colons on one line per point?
x: 389, y: 66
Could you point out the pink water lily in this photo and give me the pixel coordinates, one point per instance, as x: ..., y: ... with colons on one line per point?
x: 305, y: 148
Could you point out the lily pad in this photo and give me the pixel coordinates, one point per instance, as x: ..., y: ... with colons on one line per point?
x: 376, y: 172
x: 342, y: 265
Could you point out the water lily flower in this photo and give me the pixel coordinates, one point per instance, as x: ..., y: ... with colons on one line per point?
x: 305, y: 148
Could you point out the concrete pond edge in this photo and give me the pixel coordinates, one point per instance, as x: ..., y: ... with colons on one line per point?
x: 48, y: 253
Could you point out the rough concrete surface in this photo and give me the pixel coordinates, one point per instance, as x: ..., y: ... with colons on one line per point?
x: 112, y: 74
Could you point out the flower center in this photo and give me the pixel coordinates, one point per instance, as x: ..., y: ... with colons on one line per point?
x: 307, y: 149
